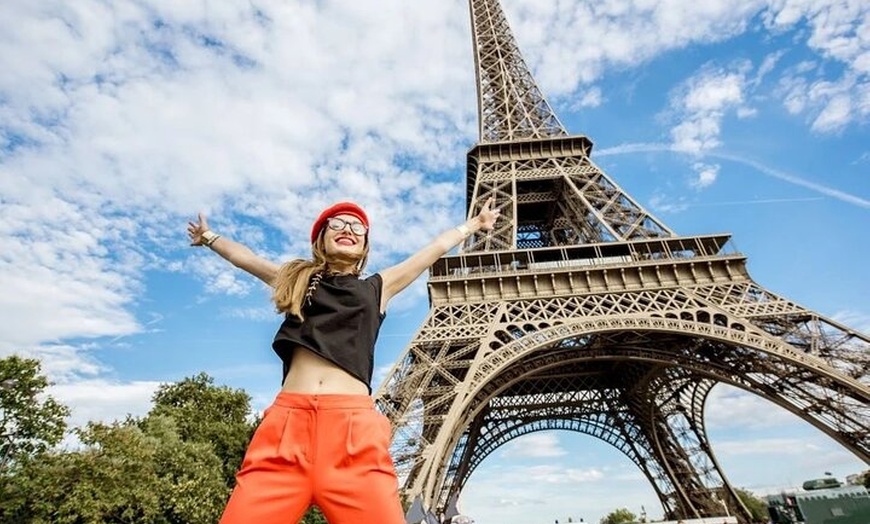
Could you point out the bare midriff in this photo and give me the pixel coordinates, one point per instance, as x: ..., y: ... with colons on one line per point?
x: 312, y: 374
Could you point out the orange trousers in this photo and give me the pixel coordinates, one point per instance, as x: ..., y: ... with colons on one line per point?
x: 327, y: 450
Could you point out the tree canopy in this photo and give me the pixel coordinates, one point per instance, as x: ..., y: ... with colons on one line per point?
x: 30, y: 421
x: 619, y: 516
x: 757, y: 507
x: 175, y: 465
x: 212, y: 415
x: 130, y: 471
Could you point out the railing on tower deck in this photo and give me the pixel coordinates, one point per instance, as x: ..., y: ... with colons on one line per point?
x: 651, y: 251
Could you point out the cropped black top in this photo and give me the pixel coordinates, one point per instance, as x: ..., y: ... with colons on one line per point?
x: 341, y: 325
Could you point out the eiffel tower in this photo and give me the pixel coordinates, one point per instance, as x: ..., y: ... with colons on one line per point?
x: 582, y: 311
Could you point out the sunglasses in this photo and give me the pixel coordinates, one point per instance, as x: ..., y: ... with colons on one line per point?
x: 338, y: 224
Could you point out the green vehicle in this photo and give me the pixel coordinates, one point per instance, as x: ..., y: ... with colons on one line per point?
x: 823, y: 501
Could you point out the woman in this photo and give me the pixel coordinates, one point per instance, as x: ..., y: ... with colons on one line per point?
x: 322, y: 442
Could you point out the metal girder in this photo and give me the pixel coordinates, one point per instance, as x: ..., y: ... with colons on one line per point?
x: 582, y: 311
x: 638, y: 383
x: 510, y: 105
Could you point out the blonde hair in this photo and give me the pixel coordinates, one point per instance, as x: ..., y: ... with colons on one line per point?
x: 296, y: 280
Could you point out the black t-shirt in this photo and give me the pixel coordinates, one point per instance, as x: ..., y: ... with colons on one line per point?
x: 341, y: 325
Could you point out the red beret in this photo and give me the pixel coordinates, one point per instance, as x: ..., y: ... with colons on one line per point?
x: 341, y: 208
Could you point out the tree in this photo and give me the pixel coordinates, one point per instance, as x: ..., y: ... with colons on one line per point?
x: 30, y: 421
x: 619, y: 516
x: 132, y: 471
x: 314, y: 516
x: 866, y: 480
x: 757, y: 507
x: 173, y: 466
x: 214, y: 415
x: 176, y: 465
x: 218, y: 416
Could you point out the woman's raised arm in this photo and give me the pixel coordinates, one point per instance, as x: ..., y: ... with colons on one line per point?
x: 398, y: 277
x: 235, y: 253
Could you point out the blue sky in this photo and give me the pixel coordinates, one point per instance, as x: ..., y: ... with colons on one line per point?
x: 119, y: 121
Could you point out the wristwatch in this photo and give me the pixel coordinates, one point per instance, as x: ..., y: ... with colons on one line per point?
x: 208, y: 237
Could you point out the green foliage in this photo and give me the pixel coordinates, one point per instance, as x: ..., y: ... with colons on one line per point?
x: 866, y: 480
x: 314, y: 516
x: 131, y: 471
x: 208, y: 414
x: 757, y: 507
x: 30, y: 421
x: 174, y: 466
x: 619, y: 516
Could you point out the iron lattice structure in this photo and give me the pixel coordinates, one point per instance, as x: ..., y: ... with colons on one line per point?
x: 581, y: 311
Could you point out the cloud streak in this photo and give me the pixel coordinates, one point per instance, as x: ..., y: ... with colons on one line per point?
x: 626, y: 149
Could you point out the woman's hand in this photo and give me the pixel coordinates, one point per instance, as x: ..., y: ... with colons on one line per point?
x: 233, y: 252
x: 487, y: 216
x: 195, y: 230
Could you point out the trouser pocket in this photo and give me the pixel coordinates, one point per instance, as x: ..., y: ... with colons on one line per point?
x: 280, y: 439
x: 368, y: 440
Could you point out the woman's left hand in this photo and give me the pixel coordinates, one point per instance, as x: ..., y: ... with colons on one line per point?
x: 487, y: 216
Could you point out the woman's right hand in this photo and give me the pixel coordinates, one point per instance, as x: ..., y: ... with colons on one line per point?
x: 235, y: 253
x: 195, y: 230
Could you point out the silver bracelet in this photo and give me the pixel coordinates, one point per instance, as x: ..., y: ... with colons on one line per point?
x: 462, y: 228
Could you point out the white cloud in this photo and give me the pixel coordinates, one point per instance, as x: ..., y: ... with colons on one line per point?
x: 553, y: 474
x: 836, y: 28
x: 618, y: 34
x: 104, y: 400
x: 700, y: 105
x: 516, y: 494
x: 668, y: 204
x: 746, y: 112
x: 767, y: 447
x: 767, y: 65
x: 592, y: 97
x: 123, y: 120
x: 257, y: 314
x: 706, y: 175
x: 798, y: 455
x: 732, y: 408
x: 534, y: 445
x: 614, y: 33
x: 830, y: 104
x: 797, y: 180
x: 838, y: 106
x: 379, y: 375
x: 60, y: 279
x: 838, y: 32
x: 857, y: 320
x: 60, y: 362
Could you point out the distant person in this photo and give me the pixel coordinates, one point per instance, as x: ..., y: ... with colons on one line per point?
x: 322, y: 442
